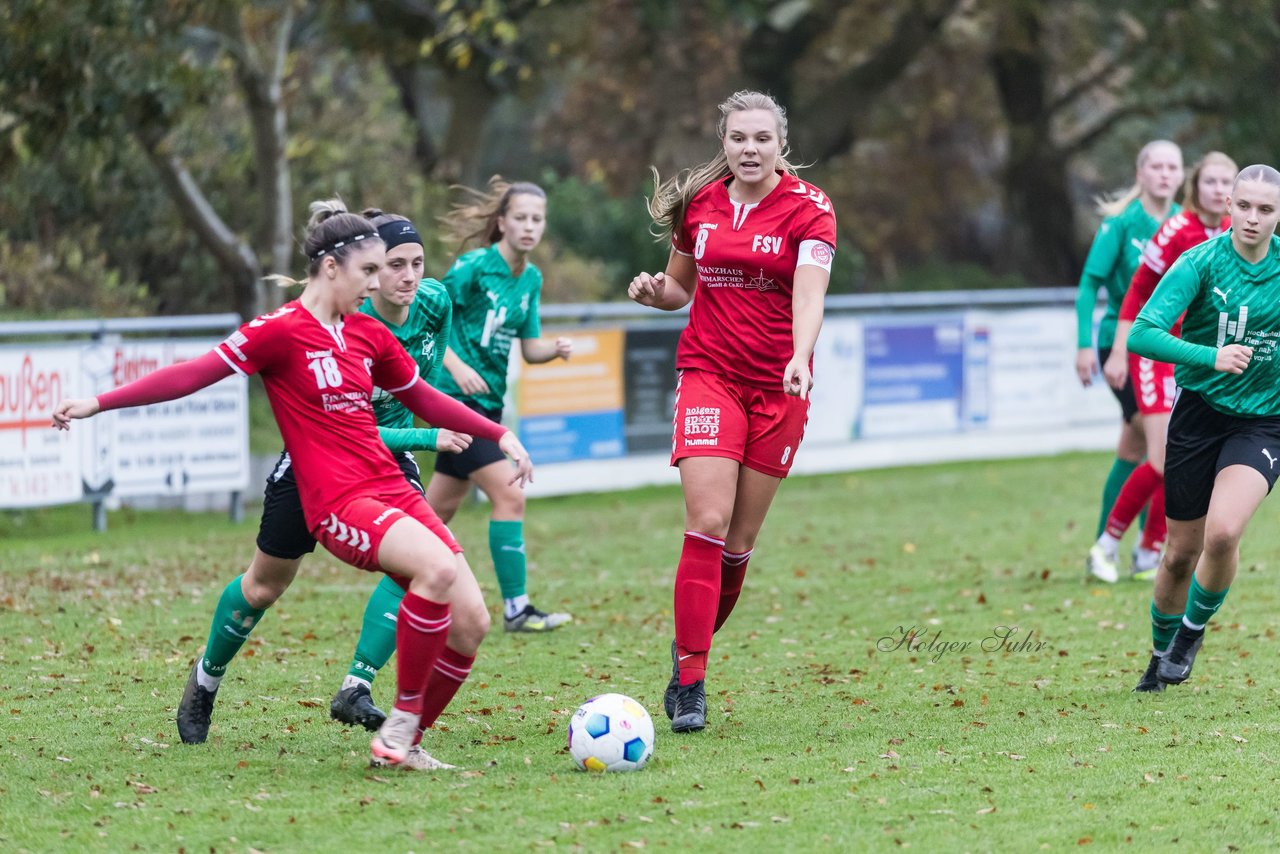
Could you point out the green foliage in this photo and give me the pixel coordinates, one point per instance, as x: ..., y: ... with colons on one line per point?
x: 586, y: 222
x: 823, y: 734
x: 954, y: 277
x: 66, y: 278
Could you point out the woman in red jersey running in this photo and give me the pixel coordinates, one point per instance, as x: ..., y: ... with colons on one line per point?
x: 754, y: 245
x: 320, y: 359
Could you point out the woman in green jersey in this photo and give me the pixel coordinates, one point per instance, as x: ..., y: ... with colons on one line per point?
x: 1224, y: 433
x: 1128, y: 222
x: 418, y: 313
x: 496, y: 292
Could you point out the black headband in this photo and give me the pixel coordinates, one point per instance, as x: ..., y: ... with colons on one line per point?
x: 398, y: 232
x: 338, y: 244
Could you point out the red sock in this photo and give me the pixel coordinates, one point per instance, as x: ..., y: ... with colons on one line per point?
x: 1153, y: 534
x: 1137, y: 491
x: 696, y: 601
x: 733, y: 568
x: 451, y: 670
x: 421, y: 627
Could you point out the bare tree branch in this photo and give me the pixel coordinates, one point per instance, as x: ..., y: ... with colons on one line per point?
x: 233, y: 255
x: 831, y: 114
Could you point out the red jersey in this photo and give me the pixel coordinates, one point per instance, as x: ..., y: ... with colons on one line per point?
x: 740, y: 322
x: 1178, y: 234
x: 320, y: 380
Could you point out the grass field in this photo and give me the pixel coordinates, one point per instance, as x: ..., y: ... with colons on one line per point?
x: 821, y: 735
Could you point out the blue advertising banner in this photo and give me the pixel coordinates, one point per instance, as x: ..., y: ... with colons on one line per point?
x: 913, y: 380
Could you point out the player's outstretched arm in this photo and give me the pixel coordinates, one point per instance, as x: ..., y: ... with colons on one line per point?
x: 68, y: 410
x: 512, y: 447
x: 669, y: 290
x: 536, y: 351
x: 436, y: 407
x: 399, y: 439
x: 168, y: 383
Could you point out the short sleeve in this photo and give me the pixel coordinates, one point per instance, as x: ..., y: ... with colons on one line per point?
x: 457, y: 280
x: 682, y: 239
x: 532, y: 326
x: 1104, y: 253
x: 820, y: 224
x: 255, y: 345
x: 393, y: 369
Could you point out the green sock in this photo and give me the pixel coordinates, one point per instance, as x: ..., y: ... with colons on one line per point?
x: 506, y: 545
x: 233, y: 620
x: 1120, y: 471
x: 378, y: 632
x: 1201, y: 604
x: 1163, y: 627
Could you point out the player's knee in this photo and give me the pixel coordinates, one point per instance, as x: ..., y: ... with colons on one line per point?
x: 469, y: 627
x: 1180, y: 562
x: 508, y: 503
x: 708, y: 520
x: 263, y: 584
x: 1221, y: 540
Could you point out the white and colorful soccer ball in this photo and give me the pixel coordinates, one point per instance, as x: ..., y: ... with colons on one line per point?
x: 611, y: 732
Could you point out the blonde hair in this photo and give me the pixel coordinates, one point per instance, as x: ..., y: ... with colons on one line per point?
x: 476, y: 217
x: 329, y: 228
x: 671, y: 197
x: 1191, y: 189
x: 1110, y: 206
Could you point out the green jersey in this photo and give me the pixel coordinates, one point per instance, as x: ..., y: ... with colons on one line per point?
x: 1113, y: 258
x: 423, y: 335
x: 490, y: 307
x: 1227, y: 301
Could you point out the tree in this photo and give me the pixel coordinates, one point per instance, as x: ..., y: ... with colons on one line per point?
x: 81, y: 82
x: 452, y: 62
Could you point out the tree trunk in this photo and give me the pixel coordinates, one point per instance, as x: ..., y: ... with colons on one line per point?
x: 825, y: 124
x: 236, y: 258
x: 473, y: 101
x: 414, y: 85
x: 1040, y: 219
x: 262, y: 84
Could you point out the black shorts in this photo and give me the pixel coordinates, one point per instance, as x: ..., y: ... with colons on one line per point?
x: 283, y: 530
x: 481, y: 453
x: 1128, y: 401
x: 1204, y: 441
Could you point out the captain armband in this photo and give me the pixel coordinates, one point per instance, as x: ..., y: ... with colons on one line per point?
x: 815, y: 253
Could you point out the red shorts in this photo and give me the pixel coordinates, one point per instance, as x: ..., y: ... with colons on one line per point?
x: 1153, y: 385
x: 354, y: 532
x: 719, y: 417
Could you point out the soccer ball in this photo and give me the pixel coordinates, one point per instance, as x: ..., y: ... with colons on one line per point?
x: 611, y: 732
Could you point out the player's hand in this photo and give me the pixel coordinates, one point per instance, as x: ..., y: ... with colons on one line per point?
x: 796, y: 379
x: 1086, y: 365
x: 646, y: 289
x: 468, y: 380
x: 1233, y: 359
x: 511, y: 446
x: 1116, y: 370
x: 449, y: 442
x: 564, y: 348
x: 68, y: 410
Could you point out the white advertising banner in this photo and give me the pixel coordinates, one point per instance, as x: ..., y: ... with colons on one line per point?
x: 199, y: 443
x: 836, y: 398
x: 38, y: 465
x: 1020, y: 373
